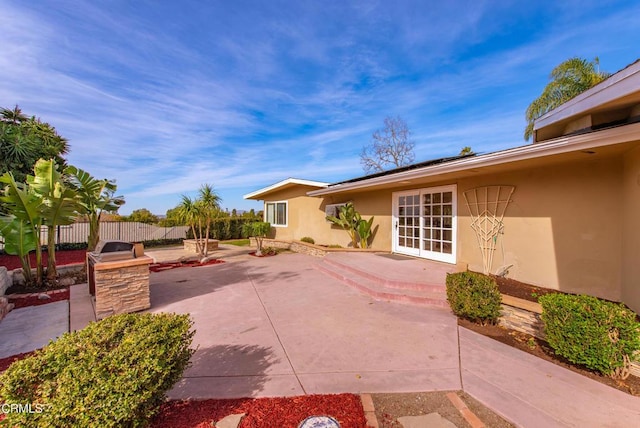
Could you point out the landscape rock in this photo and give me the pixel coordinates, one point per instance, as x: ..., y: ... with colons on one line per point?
x: 5, y: 307
x: 67, y: 281
x: 432, y: 420
x: 5, y: 280
x: 231, y: 421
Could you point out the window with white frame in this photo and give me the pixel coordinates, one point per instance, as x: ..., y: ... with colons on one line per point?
x: 276, y: 213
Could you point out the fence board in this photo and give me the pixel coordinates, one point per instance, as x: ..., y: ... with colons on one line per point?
x: 114, y: 230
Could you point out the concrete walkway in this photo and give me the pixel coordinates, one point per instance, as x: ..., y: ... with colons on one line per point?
x: 276, y: 326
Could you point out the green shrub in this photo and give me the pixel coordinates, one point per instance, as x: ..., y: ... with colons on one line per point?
x: 113, y: 373
x: 308, y: 240
x: 474, y: 296
x: 585, y: 330
x: 271, y: 251
x: 227, y: 228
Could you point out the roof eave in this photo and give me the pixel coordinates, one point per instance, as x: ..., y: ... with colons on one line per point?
x: 556, y: 146
x: 616, y: 86
x: 287, y: 182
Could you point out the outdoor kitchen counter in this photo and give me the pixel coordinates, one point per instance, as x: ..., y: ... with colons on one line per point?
x: 144, y: 260
x: 121, y: 286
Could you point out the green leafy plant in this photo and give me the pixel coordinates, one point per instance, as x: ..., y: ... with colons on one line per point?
x: 60, y: 205
x: 474, y: 296
x: 308, y: 240
x: 347, y: 220
x: 595, y: 333
x: 22, y: 225
x: 271, y: 251
x: 352, y: 222
x: 258, y: 230
x: 364, y: 231
x: 96, y: 196
x: 113, y: 373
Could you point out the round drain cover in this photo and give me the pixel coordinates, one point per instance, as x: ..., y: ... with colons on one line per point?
x: 319, y: 422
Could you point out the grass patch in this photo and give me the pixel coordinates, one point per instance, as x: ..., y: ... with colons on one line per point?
x: 237, y: 242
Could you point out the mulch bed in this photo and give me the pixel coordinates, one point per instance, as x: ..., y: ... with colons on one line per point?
x: 65, y: 257
x: 33, y: 299
x: 282, y: 412
x: 160, y: 267
x: 524, y: 291
x: 6, y: 362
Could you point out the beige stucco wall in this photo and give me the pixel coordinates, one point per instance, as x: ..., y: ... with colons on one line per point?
x: 631, y: 230
x: 570, y: 226
x: 306, y: 218
x: 562, y: 229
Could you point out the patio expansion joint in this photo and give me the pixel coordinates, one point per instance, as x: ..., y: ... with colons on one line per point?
x: 507, y: 392
x: 264, y: 308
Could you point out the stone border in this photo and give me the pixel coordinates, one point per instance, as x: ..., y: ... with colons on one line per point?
x: 524, y: 316
x: 309, y: 249
x: 190, y: 245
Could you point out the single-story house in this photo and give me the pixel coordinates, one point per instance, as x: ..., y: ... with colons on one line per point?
x: 561, y: 213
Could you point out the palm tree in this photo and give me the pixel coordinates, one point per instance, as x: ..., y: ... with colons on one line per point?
x: 189, y: 214
x: 14, y: 116
x: 209, y: 202
x: 569, y: 79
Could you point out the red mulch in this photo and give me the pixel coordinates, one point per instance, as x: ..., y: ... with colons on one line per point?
x: 281, y: 412
x: 66, y: 257
x: 31, y: 299
x: 6, y: 362
x: 160, y: 267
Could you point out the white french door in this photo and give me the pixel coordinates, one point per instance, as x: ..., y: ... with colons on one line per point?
x: 424, y: 223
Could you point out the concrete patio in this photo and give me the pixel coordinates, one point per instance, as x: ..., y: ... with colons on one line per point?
x: 280, y: 326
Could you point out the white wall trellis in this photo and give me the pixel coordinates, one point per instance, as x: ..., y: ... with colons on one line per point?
x: 487, y: 206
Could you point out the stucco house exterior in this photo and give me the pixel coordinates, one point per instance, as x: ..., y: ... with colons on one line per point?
x: 562, y: 212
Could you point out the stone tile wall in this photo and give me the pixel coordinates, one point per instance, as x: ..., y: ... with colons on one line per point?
x: 190, y: 245
x: 122, y: 289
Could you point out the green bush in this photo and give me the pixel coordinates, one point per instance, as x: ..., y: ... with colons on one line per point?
x: 226, y: 228
x: 595, y: 333
x: 113, y: 373
x: 308, y: 240
x: 474, y: 296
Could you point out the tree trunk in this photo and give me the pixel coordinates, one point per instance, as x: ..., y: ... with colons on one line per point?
x: 51, y: 254
x: 206, y: 239
x: 94, y: 232
x: 39, y: 267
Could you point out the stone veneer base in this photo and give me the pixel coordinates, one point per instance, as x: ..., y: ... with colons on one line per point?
x: 122, y: 286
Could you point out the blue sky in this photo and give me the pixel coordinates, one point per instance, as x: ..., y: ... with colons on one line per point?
x: 164, y: 96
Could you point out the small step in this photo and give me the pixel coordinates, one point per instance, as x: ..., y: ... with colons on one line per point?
x: 433, y: 297
x: 379, y: 279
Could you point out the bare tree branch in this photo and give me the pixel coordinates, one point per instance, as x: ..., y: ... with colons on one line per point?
x: 390, y: 147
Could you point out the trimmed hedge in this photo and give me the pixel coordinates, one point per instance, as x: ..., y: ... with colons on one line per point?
x: 113, y: 373
x: 474, y: 296
x: 595, y: 333
x: 307, y: 239
x: 226, y: 228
